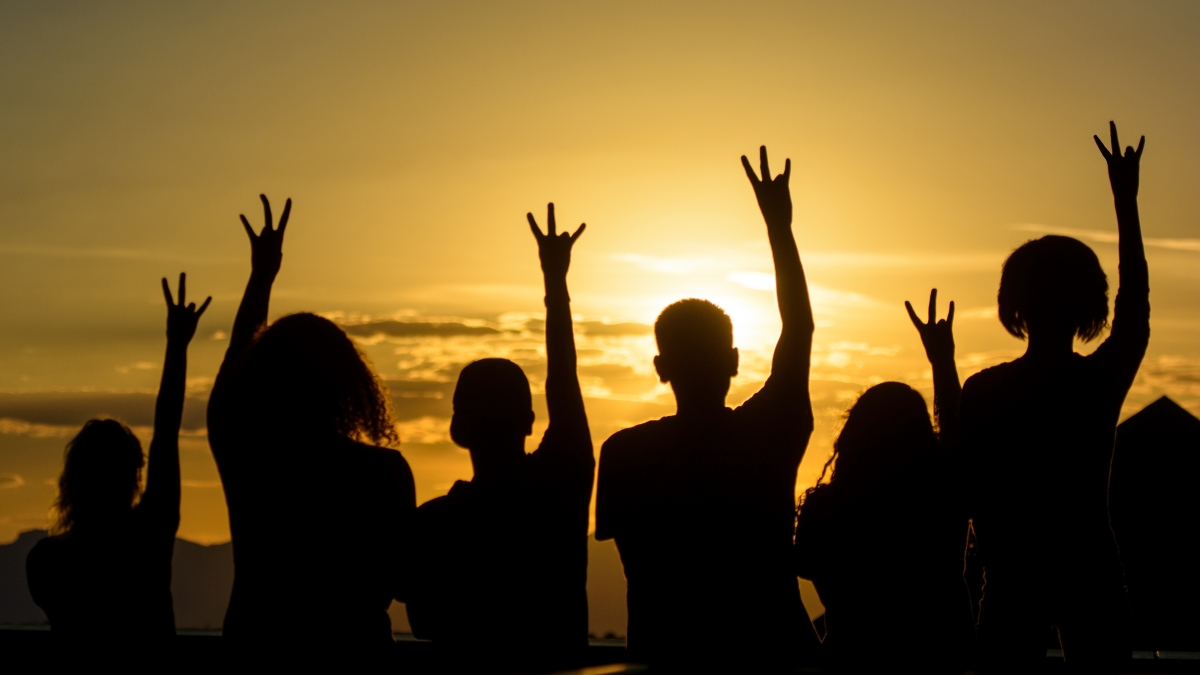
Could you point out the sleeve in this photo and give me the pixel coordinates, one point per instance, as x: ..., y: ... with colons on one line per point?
x: 611, y: 496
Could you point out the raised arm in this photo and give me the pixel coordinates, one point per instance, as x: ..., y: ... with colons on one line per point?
x: 266, y: 255
x: 568, y: 431
x: 161, y: 499
x: 938, y: 339
x: 793, y: 352
x: 1130, y: 334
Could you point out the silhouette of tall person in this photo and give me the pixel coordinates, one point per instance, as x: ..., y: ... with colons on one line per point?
x: 317, y: 510
x: 501, y: 561
x: 104, y: 576
x: 883, y: 540
x: 1038, y: 438
x: 702, y: 503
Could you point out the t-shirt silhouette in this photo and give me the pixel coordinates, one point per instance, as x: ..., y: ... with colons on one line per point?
x: 1038, y: 442
x: 501, y: 564
x: 703, y: 513
x: 317, y: 527
x: 109, y: 585
x: 887, y: 561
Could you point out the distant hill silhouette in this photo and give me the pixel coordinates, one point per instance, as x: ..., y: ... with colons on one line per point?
x: 1154, y: 503
x: 201, y: 581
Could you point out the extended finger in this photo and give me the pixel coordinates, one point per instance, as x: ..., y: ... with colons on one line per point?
x: 249, y: 230
x: 913, y: 315
x: 950, y: 314
x: 763, y: 165
x: 787, y: 170
x: 167, y: 293
x: 551, y: 226
x: 933, y: 306
x: 1103, y: 150
x: 1141, y: 144
x: 283, y: 220
x: 749, y: 171
x: 582, y: 227
x: 266, y: 211
x: 537, y: 231
x: 203, y: 307
x: 1116, y: 142
x: 182, y: 286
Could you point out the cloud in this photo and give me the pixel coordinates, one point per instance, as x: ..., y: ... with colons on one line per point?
x: 204, y: 484
x: 406, y: 329
x: 1110, y: 237
x: 15, y: 427
x: 10, y: 480
x: 70, y: 409
x: 110, y: 253
x: 601, y: 329
x: 424, y: 430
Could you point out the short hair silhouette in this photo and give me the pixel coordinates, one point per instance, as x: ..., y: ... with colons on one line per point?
x: 887, y: 428
x: 1054, y: 278
x: 693, y: 326
x: 101, y: 474
x: 491, y: 398
x: 303, y: 373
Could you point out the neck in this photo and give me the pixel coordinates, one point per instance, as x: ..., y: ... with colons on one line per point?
x: 698, y: 405
x: 1056, y: 345
x: 496, y: 458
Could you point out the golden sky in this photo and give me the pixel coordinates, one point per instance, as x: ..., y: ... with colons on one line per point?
x: 927, y: 141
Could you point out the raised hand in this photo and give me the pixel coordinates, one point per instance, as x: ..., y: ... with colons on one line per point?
x: 181, y: 318
x: 1122, y: 169
x: 554, y: 248
x: 774, y: 197
x: 266, y: 247
x: 937, y: 336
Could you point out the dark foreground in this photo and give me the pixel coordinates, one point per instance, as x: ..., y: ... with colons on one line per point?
x: 202, y: 652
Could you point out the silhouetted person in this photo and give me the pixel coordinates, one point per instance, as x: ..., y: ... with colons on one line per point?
x: 883, y: 540
x: 1155, y: 509
x: 1038, y: 436
x: 501, y: 573
x: 104, y: 576
x: 702, y: 503
x: 317, y: 514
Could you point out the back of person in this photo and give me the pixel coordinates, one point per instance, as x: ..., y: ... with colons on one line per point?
x: 504, y: 565
x: 316, y: 538
x: 1038, y: 435
x: 111, y: 586
x: 499, y: 578
x: 104, y: 576
x: 318, y: 509
x: 704, y: 528
x: 888, y: 566
x: 701, y: 504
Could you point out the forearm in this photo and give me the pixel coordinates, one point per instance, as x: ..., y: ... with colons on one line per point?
x: 564, y: 399
x: 252, y: 312
x: 794, y: 349
x: 162, y: 473
x: 947, y: 402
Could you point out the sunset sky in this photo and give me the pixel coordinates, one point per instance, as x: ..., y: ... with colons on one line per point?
x: 927, y: 141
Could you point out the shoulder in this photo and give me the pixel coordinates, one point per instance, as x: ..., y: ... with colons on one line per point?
x: 44, y: 553
x: 635, y: 440
x: 383, y: 459
x: 990, y: 378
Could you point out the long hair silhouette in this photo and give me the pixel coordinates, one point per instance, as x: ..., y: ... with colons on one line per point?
x: 102, y: 475
x: 887, y: 428
x: 304, y: 375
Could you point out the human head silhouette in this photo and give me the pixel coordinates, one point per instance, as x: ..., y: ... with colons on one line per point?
x: 303, y: 376
x: 888, y: 428
x: 1053, y: 285
x: 695, y: 351
x: 101, y: 476
x: 493, y: 410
